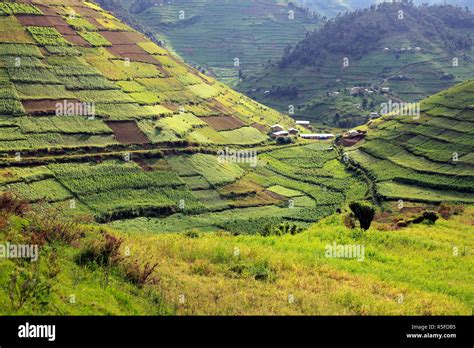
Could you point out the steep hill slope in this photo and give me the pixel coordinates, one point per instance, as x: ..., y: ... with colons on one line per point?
x: 101, y: 123
x: 211, y: 34
x: 413, y: 51
x: 78, y: 54
x: 427, y: 158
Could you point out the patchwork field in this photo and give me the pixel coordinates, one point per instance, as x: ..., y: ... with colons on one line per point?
x: 74, y: 54
x: 110, y: 145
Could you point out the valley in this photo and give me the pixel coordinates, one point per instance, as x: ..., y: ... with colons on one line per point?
x: 153, y: 188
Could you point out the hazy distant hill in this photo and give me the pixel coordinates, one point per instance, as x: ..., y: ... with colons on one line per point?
x: 331, y: 8
x: 228, y: 38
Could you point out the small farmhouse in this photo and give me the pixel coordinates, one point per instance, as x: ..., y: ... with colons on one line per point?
x: 277, y: 128
x: 293, y: 131
x: 279, y: 134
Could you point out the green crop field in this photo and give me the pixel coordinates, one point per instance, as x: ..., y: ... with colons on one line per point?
x: 423, y: 156
x: 185, y: 172
x: 211, y: 34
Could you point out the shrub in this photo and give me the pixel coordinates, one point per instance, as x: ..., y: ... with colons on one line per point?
x: 349, y: 221
x: 103, y: 251
x: 280, y: 229
x: 448, y: 210
x: 137, y: 275
x: 427, y: 216
x: 12, y: 204
x: 27, y: 285
x: 192, y: 234
x: 364, y: 213
x: 284, y: 140
x: 52, y: 229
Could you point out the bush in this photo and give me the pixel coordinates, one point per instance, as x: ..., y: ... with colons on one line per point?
x: 428, y: 216
x: 284, y: 140
x: 103, y: 252
x: 448, y: 210
x: 192, y: 234
x: 28, y: 285
x: 364, y: 213
x: 137, y: 275
x: 11, y: 204
x: 280, y: 230
x: 349, y: 221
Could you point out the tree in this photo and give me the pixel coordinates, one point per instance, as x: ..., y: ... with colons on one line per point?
x: 364, y: 213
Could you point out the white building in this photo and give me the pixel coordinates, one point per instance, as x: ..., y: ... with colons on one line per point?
x: 279, y: 134
x: 318, y: 136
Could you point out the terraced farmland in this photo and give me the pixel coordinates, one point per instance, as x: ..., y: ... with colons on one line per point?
x: 212, y: 33
x: 123, y: 75
x: 426, y: 158
x: 398, y: 55
x: 108, y: 138
x: 113, y: 127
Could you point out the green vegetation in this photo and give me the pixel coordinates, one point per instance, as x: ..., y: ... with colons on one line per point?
x: 369, y: 49
x: 163, y: 212
x: 47, y: 36
x: 12, y: 8
x: 395, y: 278
x: 420, y: 159
x: 210, y: 34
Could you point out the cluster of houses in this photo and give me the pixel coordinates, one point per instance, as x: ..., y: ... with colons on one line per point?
x: 358, y: 90
x: 403, y: 49
x: 277, y: 131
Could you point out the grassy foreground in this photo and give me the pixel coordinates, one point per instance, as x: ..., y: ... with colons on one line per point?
x: 419, y: 270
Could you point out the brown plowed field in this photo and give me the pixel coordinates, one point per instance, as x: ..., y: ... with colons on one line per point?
x: 41, y: 21
x: 43, y: 106
x: 122, y: 37
x: 220, y: 123
x: 77, y: 40
x: 47, y: 11
x: 85, y: 11
x: 127, y: 132
x: 65, y: 30
x: 260, y: 127
x: 126, y: 49
x: 134, y: 53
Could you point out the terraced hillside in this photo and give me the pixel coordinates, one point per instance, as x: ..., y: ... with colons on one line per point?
x: 103, y: 124
x: 427, y: 158
x: 342, y: 73
x: 211, y: 34
x: 152, y: 189
x: 331, y: 8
